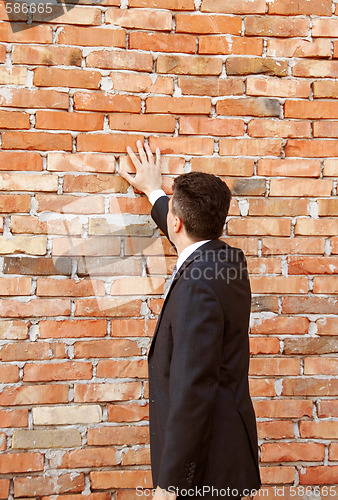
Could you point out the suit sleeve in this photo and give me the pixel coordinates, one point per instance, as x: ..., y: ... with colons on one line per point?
x: 197, y: 332
x: 159, y: 214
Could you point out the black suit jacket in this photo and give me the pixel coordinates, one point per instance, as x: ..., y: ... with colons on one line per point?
x: 202, y: 422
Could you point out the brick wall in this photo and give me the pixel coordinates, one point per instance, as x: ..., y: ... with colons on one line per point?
x: 244, y: 89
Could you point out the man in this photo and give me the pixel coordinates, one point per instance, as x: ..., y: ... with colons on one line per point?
x: 203, y: 437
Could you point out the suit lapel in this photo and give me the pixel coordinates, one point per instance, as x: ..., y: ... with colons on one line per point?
x: 210, y: 245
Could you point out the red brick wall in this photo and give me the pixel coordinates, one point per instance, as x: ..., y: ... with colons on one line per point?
x: 245, y: 89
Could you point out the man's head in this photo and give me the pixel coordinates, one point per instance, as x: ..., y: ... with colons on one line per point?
x: 201, y: 202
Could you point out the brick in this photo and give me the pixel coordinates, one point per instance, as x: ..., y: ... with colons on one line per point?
x: 128, y: 412
x: 220, y: 44
x: 36, y: 265
x: 280, y: 325
x: 116, y: 59
x: 263, y: 345
x: 92, y: 457
x: 28, y: 439
x: 81, y: 162
x: 16, y: 160
x: 109, y: 143
x: 14, y: 418
x: 131, y: 327
x: 276, y: 26
x: 279, y: 128
x: 136, y: 456
x: 250, y: 147
x: 46, y: 55
x: 261, y: 387
x: 87, y: 36
x: 144, y: 246
x: 181, y: 65
x: 124, y: 205
x: 300, y: 187
x: 86, y: 246
x: 12, y: 203
x: 312, y: 265
x: 277, y: 475
x: 132, y: 82
x: 321, y: 430
x: 292, y: 452
x: 310, y: 387
x: 14, y: 120
x: 70, y: 204
x: 91, y: 393
x: 121, y: 479
x: 274, y: 227
x: 34, y: 394
x: 202, y: 23
x: 162, y: 42
x: 319, y: 475
x: 274, y: 366
x: 334, y: 245
x: 308, y: 305
x: 298, y: 48
x: 21, y: 462
x: 15, y: 286
x: 148, y: 19
x: 309, y: 346
x: 296, y: 7
x: 56, y: 120
x: 142, y: 123
x: 67, y: 415
x: 288, y: 167
x: 102, y: 226
x: 280, y: 246
x: 327, y: 408
x: 23, y: 244
x: 17, y: 76
x: 210, y: 85
x: 28, y: 182
x: 34, y: 372
x: 36, y: 140
x: 82, y: 15
x: 264, y: 303
x: 57, y: 77
x: 325, y: 89
x: 99, y: 183
x: 107, y: 307
x: 34, y: 307
x: 72, y: 329
x: 119, y: 435
x: 327, y: 326
x: 69, y: 287
x: 333, y: 451
x: 38, y: 34
x: 279, y: 284
x: 259, y: 86
x: 99, y: 101
x: 223, y: 166
x: 4, y: 488
x: 112, y: 266
x: 325, y: 284
x: 248, y: 106
x: 276, y: 429
x: 13, y: 330
x: 3, y: 441
x: 324, y: 227
x: 32, y: 350
x: 335, y: 49
x: 137, y: 286
x: 178, y: 105
x: 122, y: 369
x: 324, y: 27
x: 325, y: 129
x: 283, y: 408
x: 44, y: 485
x: 183, y: 145
x: 32, y: 225
x: 196, y: 125
x: 255, y: 65
x: 315, y: 69
x: 9, y: 373
x: 240, y: 7
x: 106, y: 348
x: 164, y: 4
x: 311, y: 109
x: 320, y: 366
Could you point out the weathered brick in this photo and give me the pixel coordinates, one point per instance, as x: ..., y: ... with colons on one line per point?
x: 325, y: 128
x: 202, y: 23
x: 164, y: 4
x: 279, y: 128
x: 34, y: 307
x: 248, y: 106
x: 298, y: 7
x: 288, y: 167
x: 77, y: 35
x: 178, y: 105
x: 128, y: 412
x: 148, y: 19
x: 183, y: 145
x: 109, y: 143
x: 308, y: 305
x: 86, y: 246
x: 274, y: 366
x: 132, y: 82
x: 315, y: 68
x: 312, y: 265
x: 36, y: 33
x: 28, y: 182
x: 121, y: 479
x: 282, y: 246
x: 65, y: 415
x: 162, y: 42
x: 56, y: 120
x: 325, y: 284
x: 61, y: 438
x: 91, y: 457
x: 100, y: 101
x: 311, y: 109
x: 139, y: 456
x: 264, y: 226
x: 122, y: 369
x: 225, y: 44
x: 328, y: 408
x: 69, y: 287
x: 309, y: 346
x: 115, y: 59
x: 324, y: 227
x: 276, y: 26
x: 240, y: 7
x: 34, y: 245
x: 70, y: 204
x: 44, y: 485
x: 223, y: 166
x: 106, y: 348
x: 195, y: 65
x: 9, y: 373
x: 14, y: 418
x: 280, y: 325
x: 210, y: 85
x: 294, y: 47
x: 321, y: 430
x: 325, y: 89
x: 327, y: 326
x: 300, y: 187
x: 72, y: 329
x: 91, y: 393
x: 319, y: 475
x: 46, y: 55
x: 137, y: 286
x: 292, y: 452
x: 36, y: 372
x: 259, y: 86
x: 320, y: 366
x: 32, y: 350
x: 276, y: 429
x: 107, y: 307
x: 263, y: 345
x: 23, y: 224
x: 325, y: 27
x: 255, y: 65
x: 37, y: 265
x: 250, y: 147
x: 34, y: 394
x: 14, y: 203
x: 82, y: 15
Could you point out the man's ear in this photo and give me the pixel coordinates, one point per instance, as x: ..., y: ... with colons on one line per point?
x: 178, y: 224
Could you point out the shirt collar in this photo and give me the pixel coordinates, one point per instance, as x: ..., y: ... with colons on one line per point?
x: 187, y: 251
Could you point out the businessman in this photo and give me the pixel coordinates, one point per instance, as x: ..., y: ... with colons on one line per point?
x: 203, y: 436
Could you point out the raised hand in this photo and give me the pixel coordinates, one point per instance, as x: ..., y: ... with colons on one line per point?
x: 148, y: 173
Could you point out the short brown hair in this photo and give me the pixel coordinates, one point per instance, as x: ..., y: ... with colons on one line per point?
x: 202, y: 202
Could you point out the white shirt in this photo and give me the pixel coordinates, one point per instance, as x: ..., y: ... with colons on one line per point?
x: 187, y: 251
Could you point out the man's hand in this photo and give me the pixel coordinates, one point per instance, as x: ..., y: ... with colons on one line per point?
x: 148, y: 174
x: 163, y: 495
